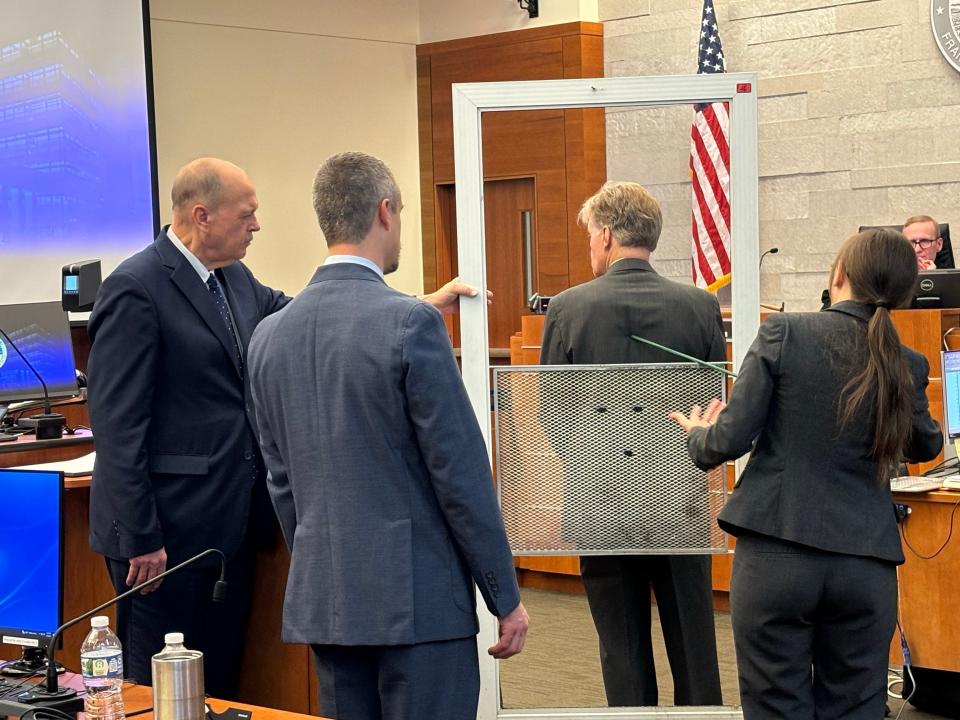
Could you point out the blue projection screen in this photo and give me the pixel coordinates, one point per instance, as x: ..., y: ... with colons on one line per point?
x: 77, y: 158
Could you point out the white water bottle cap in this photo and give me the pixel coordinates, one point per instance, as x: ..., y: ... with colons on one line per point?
x: 100, y: 621
x: 173, y: 638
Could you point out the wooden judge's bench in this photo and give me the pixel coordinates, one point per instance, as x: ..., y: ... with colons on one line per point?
x: 929, y: 580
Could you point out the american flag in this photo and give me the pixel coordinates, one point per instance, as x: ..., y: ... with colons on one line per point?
x: 710, y: 169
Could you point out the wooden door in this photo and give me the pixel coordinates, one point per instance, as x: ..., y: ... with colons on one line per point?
x: 504, y: 202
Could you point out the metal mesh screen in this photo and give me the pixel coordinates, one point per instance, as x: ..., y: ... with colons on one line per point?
x: 588, y: 462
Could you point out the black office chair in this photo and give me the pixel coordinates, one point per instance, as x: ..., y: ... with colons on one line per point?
x: 944, y: 258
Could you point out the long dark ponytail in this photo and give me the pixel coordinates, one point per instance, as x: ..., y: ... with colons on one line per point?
x: 881, y: 267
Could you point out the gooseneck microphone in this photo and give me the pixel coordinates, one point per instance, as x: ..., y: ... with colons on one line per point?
x: 771, y: 251
x: 49, y: 691
x: 49, y: 425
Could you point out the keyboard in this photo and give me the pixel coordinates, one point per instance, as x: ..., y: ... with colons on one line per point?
x: 912, y: 484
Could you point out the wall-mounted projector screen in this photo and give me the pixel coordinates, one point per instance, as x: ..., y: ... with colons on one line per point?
x: 77, y: 157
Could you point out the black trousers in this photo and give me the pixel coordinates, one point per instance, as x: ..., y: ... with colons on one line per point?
x: 812, y: 630
x: 618, y: 590
x: 399, y: 682
x: 183, y: 603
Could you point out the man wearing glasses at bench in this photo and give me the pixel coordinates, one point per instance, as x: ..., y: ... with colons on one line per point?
x: 923, y: 232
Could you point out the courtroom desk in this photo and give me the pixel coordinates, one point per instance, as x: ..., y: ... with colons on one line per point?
x: 85, y: 579
x: 27, y: 450
x: 290, y: 682
x: 930, y: 588
x: 140, y: 697
x: 86, y: 585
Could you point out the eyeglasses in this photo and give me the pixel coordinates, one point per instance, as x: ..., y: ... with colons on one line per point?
x: 923, y: 242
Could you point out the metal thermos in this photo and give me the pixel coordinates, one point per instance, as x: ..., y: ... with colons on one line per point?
x: 178, y: 681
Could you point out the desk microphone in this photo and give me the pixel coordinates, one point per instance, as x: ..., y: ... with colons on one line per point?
x: 771, y: 251
x: 49, y: 425
x: 49, y: 692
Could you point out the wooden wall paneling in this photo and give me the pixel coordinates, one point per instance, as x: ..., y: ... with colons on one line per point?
x: 540, y: 144
x: 553, y: 215
x: 921, y: 330
x: 503, y: 202
x: 532, y: 143
x: 516, y: 349
x: 427, y: 195
x: 586, y: 153
x: 80, y: 340
x: 495, y: 41
x: 541, y: 60
x: 930, y: 586
x: 291, y: 686
x: 444, y: 226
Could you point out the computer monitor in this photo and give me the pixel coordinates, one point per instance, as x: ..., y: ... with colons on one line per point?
x: 950, y: 372
x: 41, y: 331
x: 31, y: 558
x: 937, y: 289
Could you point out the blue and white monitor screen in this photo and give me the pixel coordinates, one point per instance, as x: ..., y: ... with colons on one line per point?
x: 29, y: 556
x: 951, y: 393
x: 76, y: 164
x: 41, y: 333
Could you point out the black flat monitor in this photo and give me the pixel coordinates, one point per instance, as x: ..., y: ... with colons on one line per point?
x: 937, y: 289
x: 41, y: 331
x: 31, y: 557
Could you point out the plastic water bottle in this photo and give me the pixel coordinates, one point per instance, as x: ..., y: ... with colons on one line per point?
x: 101, y: 662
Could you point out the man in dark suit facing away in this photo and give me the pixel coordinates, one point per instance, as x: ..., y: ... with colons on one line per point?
x: 178, y: 468
x: 592, y: 324
x: 379, y: 474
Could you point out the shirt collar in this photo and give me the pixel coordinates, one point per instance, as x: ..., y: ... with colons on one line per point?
x: 356, y: 260
x: 191, y: 258
x: 854, y: 308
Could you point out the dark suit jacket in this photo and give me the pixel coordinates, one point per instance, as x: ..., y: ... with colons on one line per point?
x: 807, y: 481
x: 377, y: 468
x: 177, y: 458
x: 592, y: 323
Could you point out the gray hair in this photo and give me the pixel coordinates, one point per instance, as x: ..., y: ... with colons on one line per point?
x: 200, y: 181
x: 347, y: 191
x: 631, y: 213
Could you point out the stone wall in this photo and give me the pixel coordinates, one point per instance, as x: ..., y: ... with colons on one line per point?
x: 858, y: 112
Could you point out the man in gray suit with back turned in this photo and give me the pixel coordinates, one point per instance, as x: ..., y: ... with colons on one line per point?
x: 592, y: 324
x: 379, y: 475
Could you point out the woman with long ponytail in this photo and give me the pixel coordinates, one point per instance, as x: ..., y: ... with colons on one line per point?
x: 826, y: 403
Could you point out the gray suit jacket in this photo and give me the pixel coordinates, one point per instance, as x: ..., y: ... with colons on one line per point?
x: 377, y: 468
x: 808, y: 481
